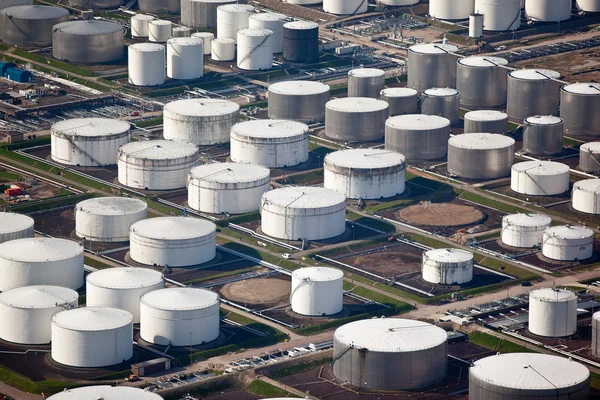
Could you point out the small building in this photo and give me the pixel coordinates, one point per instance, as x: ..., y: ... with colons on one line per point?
x: 151, y: 367
x: 4, y: 65
x: 11, y: 97
x: 18, y: 75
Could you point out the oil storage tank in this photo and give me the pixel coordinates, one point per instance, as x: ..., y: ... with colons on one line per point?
x: 272, y: 143
x: 447, y: 266
x: 222, y: 49
x: 552, y: 312
x: 204, y: 122
x: 418, y: 136
x: 179, y: 316
x: 480, y: 155
x: 15, y: 226
x: 580, y: 108
x: 172, y: 241
x: 41, y: 261
x: 301, y: 42
x: 568, y: 243
x: 543, y: 135
x: 589, y: 157
x: 156, y: 164
x: 105, y: 393
x: 444, y: 102
x: 365, y: 82
x: 30, y: 26
x: 532, y: 92
x: 159, y: 30
x: 588, y: 5
x: 356, y: 119
x: 89, y: 42
x: 107, y: 219
x: 90, y: 337
x: 431, y: 65
x: 499, y: 15
x: 231, y: 18
x: 400, y: 100
x: 139, y: 25
x: 317, y: 291
x: 482, y: 81
x: 451, y: 9
x: 586, y: 196
x: 30, y: 310
x: 540, y: 178
x: 345, y: 7
x: 548, y: 10
x: 524, y: 230
x: 88, y: 142
x: 273, y: 22
x: 254, y: 49
x: 489, y: 121
x: 201, y: 14
x: 160, y: 6
x: 185, y: 58
x: 298, y: 100
x: 121, y: 288
x: 596, y: 334
x: 528, y: 376
x: 229, y: 188
x: 374, y: 353
x: 146, y: 64
x: 365, y: 173
x: 303, y: 213
x: 207, y: 38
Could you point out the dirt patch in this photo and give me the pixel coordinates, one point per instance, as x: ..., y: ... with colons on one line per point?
x: 267, y: 291
x: 441, y: 214
x: 578, y: 66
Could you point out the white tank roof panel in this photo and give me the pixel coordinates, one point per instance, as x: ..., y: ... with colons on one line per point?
x: 551, y: 294
x: 105, y: 393
x: 418, y: 122
x: 449, y: 255
x: 319, y: 274
x: 39, y: 249
x: 583, y: 88
x: 441, y: 92
x: 124, y: 278
x: 298, y: 88
x: 143, y: 17
x: 223, y: 173
x: 158, y: 149
x: 544, y: 120
x: 304, y: 198
x: 569, y: 232
x: 541, y: 168
x: 486, y: 115
x: 357, y: 105
x: 301, y: 25
x: 202, y: 107
x: 399, y: 92
x: 532, y: 220
x: 588, y: 185
x: 270, y: 129
x: 14, y: 223
x: 38, y: 296
x: 433, y: 48
x: 482, y: 61
x: 591, y: 147
x: 88, y: 28
x: 112, y: 206
x: 180, y: 299
x: 92, y: 319
x: 535, y: 74
x: 173, y: 228
x: 481, y: 141
x: 92, y: 127
x: 366, y: 72
x: 147, y: 47
x: 268, y: 16
x: 365, y: 158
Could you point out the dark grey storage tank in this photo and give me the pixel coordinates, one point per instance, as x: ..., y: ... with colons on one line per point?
x: 489, y: 121
x: 480, y: 155
x: 532, y: 92
x: 580, y: 108
x: 160, y: 6
x: 301, y: 42
x: 202, y: 14
x: 30, y: 26
x: 87, y: 41
x: 482, y: 81
x: 431, y: 65
x: 365, y: 82
x: 298, y: 100
x: 418, y: 136
x: 401, y: 100
x: 543, y: 135
x: 356, y: 119
x: 444, y: 102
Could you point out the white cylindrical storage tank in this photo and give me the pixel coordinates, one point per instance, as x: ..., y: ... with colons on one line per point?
x: 586, y: 5
x: 88, y: 142
x: 179, y: 317
x: 105, y: 393
x: 365, y: 82
x: 499, y: 15
x: 375, y: 353
x: 222, y: 49
x: 207, y: 38
x: 231, y: 18
x: 444, y: 102
x: 273, y: 22
x: 543, y: 135
x: 182, y: 32
x: 356, y: 119
x: 156, y: 164
x: 27, y: 312
x: 365, y: 173
x: 159, y: 30
x: 230, y: 188
x: 548, y: 10
x: 271, y: 143
x: 172, y: 241
x: 401, y: 101
x: 482, y: 81
x: 586, y: 196
x: 480, y: 155
x: 317, y: 291
x: 254, y: 49
x: 139, y: 25
x: 303, y: 213
x: 532, y: 92
x: 527, y: 376
x: 418, y: 136
x: 15, y: 226
x: 185, y: 58
x: 30, y: 25
x: 90, y: 41
x: 568, y: 243
x: 475, y: 26
x: 298, y: 100
x: 579, y: 105
x: 41, y: 261
x: 431, y: 65
x: 107, y: 219
x: 451, y: 9
x: 345, y: 7
x: 146, y: 64
x: 121, y: 288
x: 201, y: 14
x: 489, y: 121
x: 447, y: 266
x: 524, y: 230
x: 596, y: 334
x: 91, y: 337
x: 589, y: 157
x: 552, y: 312
x: 540, y: 178
x: 204, y: 122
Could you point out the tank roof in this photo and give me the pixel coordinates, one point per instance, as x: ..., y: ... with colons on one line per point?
x: 583, y: 88
x: 529, y: 371
x: 92, y: 319
x: 449, y: 255
x: 105, y: 393
x: 186, y: 41
x: 433, y: 48
x: 160, y: 22
x: 202, y: 107
x: 481, y: 141
x: 552, y: 294
x: 173, y: 228
x: 483, y: 61
x: 304, y: 197
x: 159, y: 149
x: 236, y: 8
x: 527, y: 219
x: 299, y: 88
x: 541, y: 168
x: 203, y: 35
x: 223, y: 40
x: 441, y: 92
x: 255, y: 32
x: 181, y: 29
x: 486, y: 115
x: 12, y: 222
x: 35, y: 12
x: 147, y: 47
x: 39, y: 249
x: 143, y: 17
x: 88, y: 27
x: 543, y: 120
x: 270, y: 129
x: 230, y: 173
x: 319, y: 274
x: 124, y: 278
x: 393, y: 335
x: 587, y: 185
x: 591, y: 147
x: 39, y: 296
x: 418, y: 122
x: 366, y: 72
x: 92, y: 127
x: 399, y: 92
x: 365, y: 158
x: 534, y: 74
x: 301, y: 25
x: 180, y: 299
x: 111, y: 206
x: 357, y: 105
x: 569, y: 232
x: 268, y: 16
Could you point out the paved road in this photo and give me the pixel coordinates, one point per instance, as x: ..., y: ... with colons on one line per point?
x: 16, y: 393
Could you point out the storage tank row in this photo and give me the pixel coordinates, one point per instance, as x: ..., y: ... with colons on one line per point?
x: 503, y: 15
